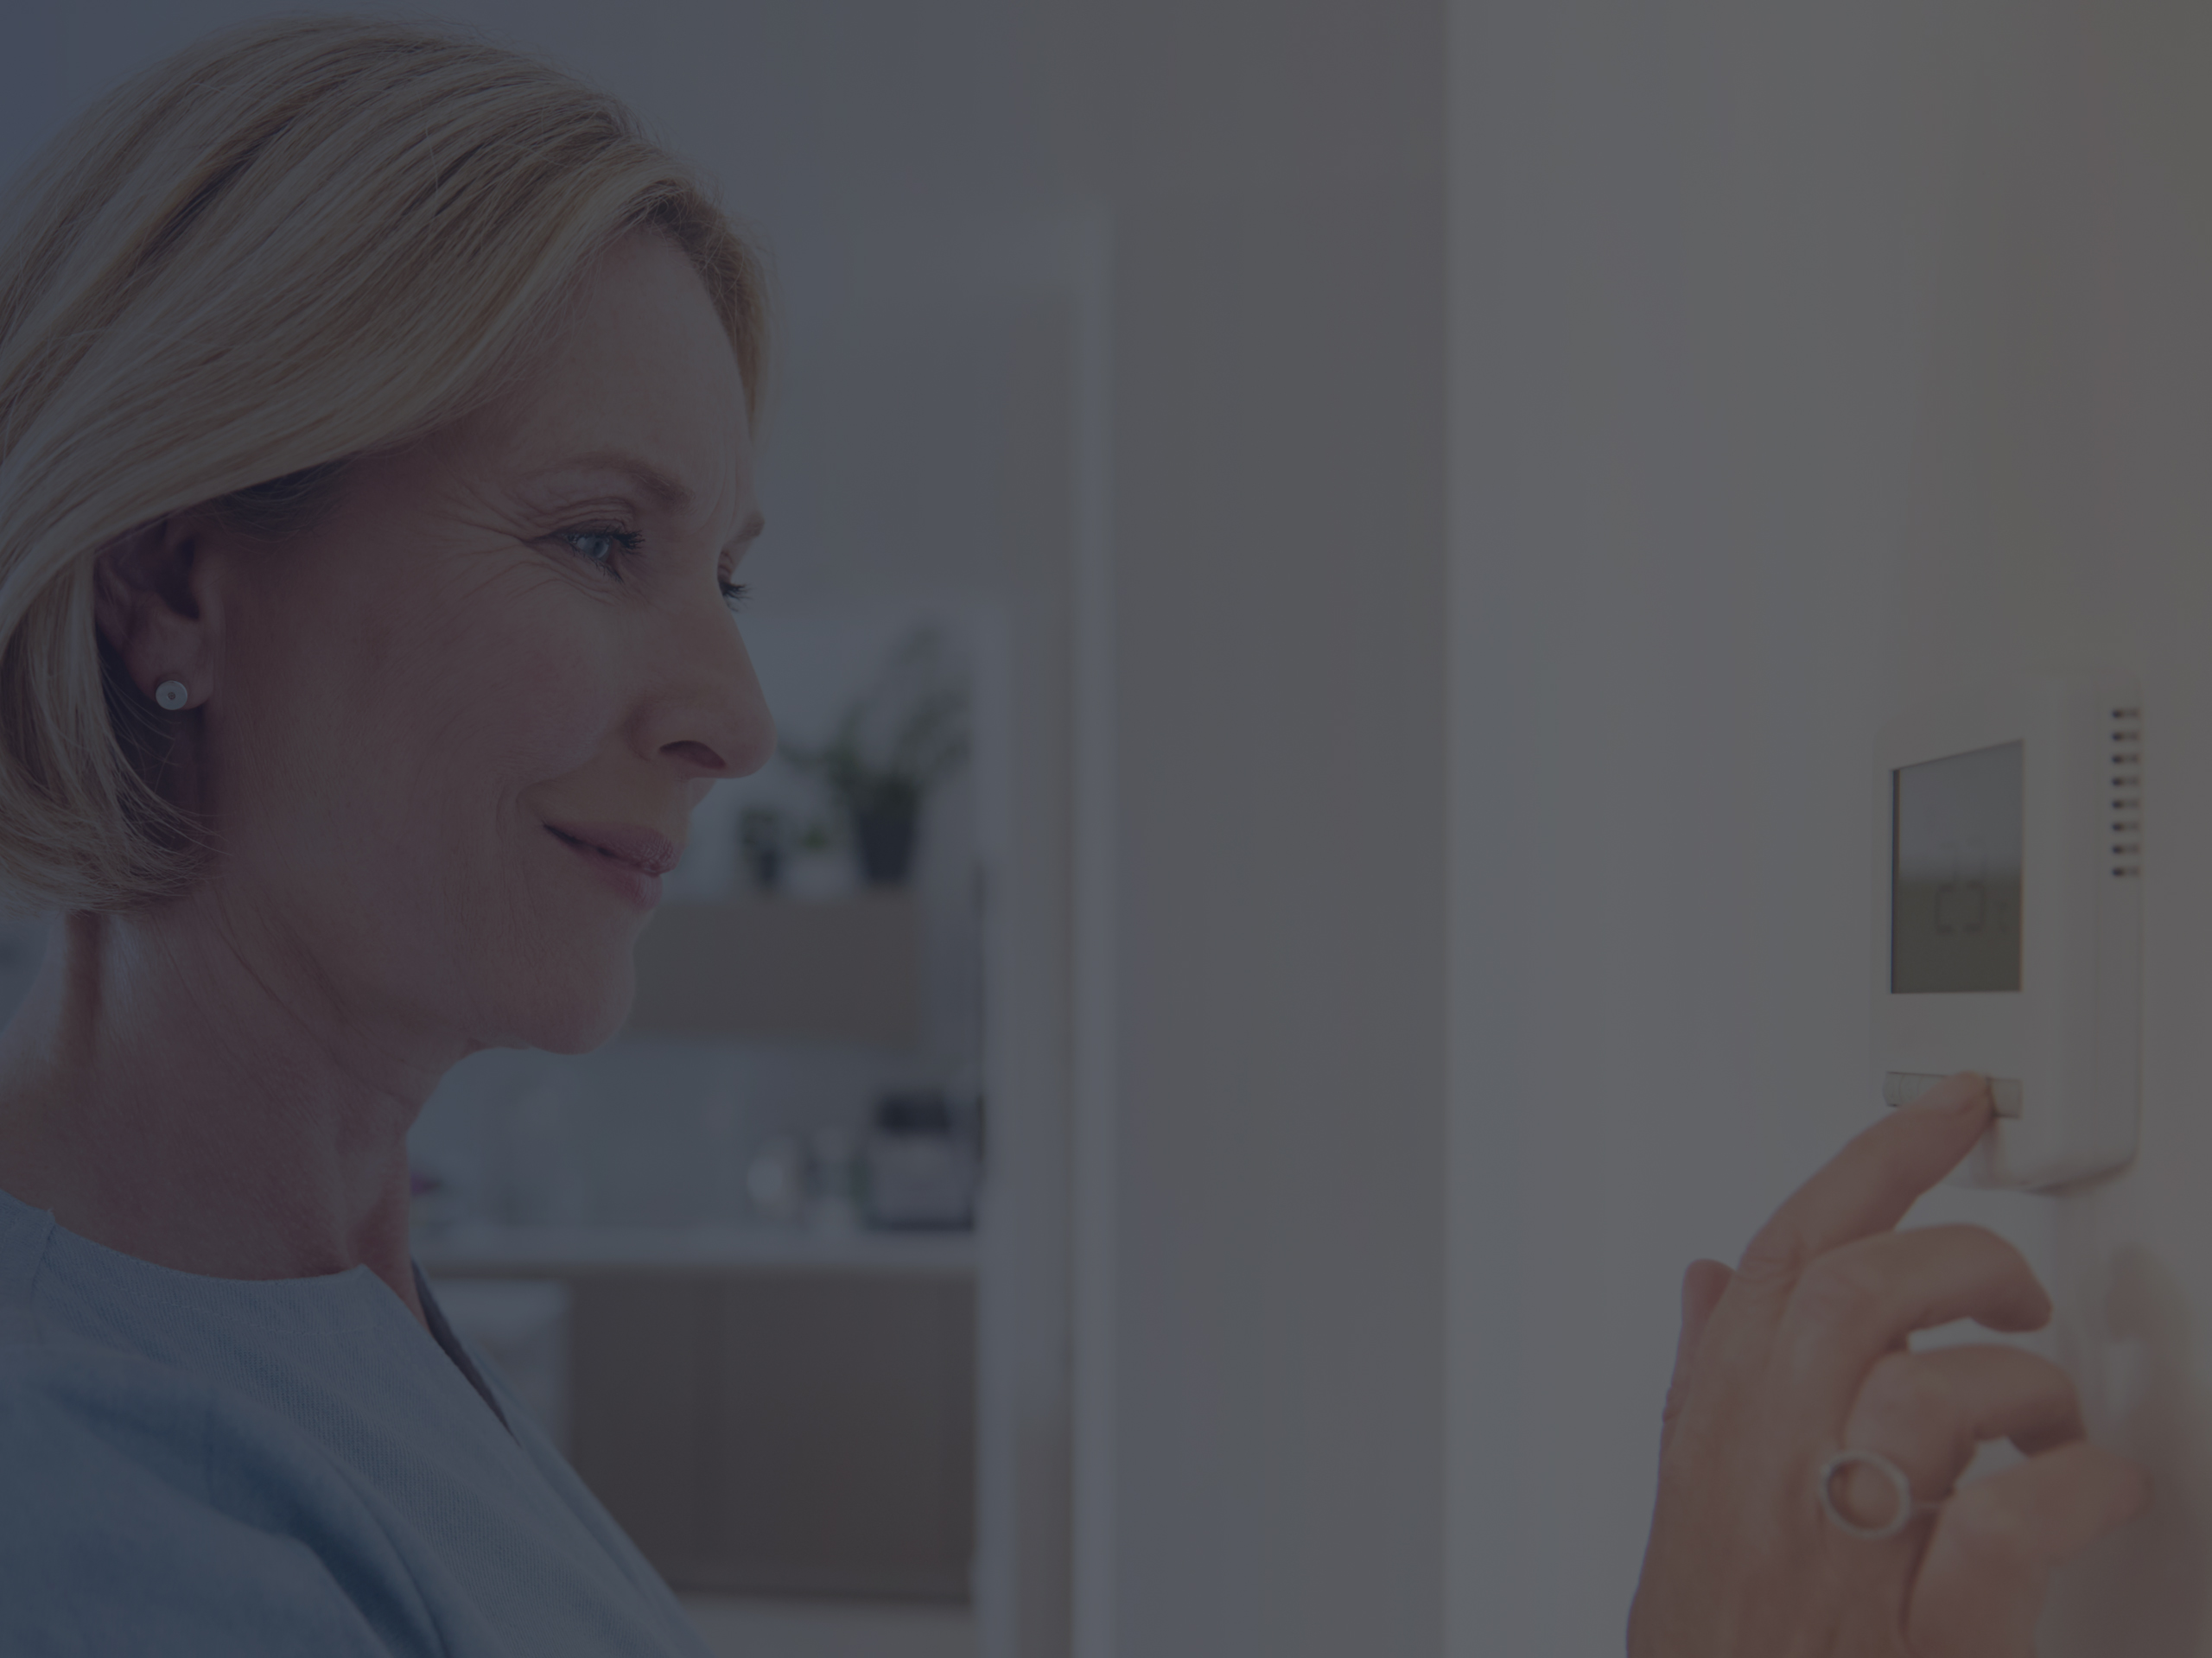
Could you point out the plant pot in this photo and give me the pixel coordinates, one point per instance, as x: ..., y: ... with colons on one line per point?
x: 886, y: 839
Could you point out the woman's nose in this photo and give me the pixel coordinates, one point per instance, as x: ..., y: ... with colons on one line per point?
x: 712, y: 715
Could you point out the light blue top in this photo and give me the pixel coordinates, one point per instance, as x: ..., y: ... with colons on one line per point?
x: 199, y: 1466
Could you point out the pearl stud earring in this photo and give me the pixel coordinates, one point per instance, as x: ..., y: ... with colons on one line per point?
x: 171, y: 694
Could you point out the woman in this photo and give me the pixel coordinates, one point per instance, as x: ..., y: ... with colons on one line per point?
x: 336, y: 779
x: 375, y: 423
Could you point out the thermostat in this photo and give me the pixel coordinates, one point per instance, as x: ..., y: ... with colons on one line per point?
x: 2008, y: 918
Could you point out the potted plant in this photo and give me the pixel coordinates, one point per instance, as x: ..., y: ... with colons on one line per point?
x: 888, y: 750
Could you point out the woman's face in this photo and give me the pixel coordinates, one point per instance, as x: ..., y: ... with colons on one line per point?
x: 454, y: 729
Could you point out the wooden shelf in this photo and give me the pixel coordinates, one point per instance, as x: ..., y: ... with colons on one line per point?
x: 839, y: 969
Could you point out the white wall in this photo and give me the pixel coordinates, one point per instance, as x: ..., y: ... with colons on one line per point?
x: 1807, y: 361
x: 1273, y: 171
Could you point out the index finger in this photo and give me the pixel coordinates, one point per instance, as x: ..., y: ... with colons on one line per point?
x: 1867, y: 1186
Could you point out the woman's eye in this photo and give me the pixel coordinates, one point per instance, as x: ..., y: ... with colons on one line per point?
x: 734, y: 596
x: 600, y: 546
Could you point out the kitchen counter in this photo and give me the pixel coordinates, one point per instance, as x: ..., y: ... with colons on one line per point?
x: 482, y: 1248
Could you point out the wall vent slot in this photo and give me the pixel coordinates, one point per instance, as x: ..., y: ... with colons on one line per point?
x: 2126, y: 793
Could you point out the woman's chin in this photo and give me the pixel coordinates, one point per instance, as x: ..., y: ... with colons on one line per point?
x: 585, y: 1016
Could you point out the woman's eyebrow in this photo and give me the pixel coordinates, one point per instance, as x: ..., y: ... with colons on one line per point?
x: 662, y: 488
x: 659, y: 487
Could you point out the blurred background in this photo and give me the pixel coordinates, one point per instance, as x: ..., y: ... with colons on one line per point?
x: 1413, y: 511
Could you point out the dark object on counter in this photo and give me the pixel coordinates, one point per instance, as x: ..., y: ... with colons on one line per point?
x: 919, y: 1165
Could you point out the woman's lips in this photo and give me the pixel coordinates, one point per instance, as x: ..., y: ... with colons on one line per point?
x: 642, y: 849
x: 629, y: 859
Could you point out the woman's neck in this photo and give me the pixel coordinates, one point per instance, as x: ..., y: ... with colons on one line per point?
x: 178, y: 1094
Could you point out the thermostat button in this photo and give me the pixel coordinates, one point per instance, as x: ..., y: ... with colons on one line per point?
x: 1903, y: 1087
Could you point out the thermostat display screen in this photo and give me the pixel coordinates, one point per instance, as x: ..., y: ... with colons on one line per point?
x: 1954, y: 898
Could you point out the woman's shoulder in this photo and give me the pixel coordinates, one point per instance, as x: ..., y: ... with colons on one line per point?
x: 145, y: 1510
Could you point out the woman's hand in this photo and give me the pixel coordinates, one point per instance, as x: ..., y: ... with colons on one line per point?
x: 1800, y: 1352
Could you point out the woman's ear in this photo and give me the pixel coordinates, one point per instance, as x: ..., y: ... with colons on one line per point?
x: 148, y: 604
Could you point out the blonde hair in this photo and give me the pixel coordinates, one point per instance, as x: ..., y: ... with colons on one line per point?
x: 285, y: 246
